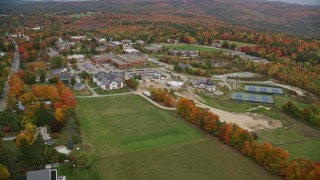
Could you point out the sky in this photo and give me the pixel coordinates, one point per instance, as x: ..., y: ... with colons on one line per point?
x: 306, y: 2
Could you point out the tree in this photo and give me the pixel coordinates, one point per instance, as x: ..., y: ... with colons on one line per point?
x: 132, y: 83
x: 84, y: 75
x: 56, y: 126
x: 43, y: 76
x: 71, y: 126
x: 169, y: 100
x: 70, y: 144
x: 4, y: 173
x: 6, y: 72
x: 233, y: 46
x: 33, y: 153
x: 68, y: 97
x: 27, y: 99
x: 44, y: 117
x: 59, y: 115
x: 225, y: 44
x: 73, y: 81
x: 56, y: 62
x: 303, y: 169
x: 177, y: 68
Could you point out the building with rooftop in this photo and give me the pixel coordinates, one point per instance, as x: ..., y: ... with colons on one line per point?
x: 207, y: 84
x: 153, y: 48
x: 77, y: 38
x: 44, y: 174
x: 122, y: 61
x: 109, y: 81
x: 62, y: 45
x: 185, y: 53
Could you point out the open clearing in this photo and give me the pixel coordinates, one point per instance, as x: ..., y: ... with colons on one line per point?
x: 128, y: 138
x: 308, y: 150
x: 191, y: 47
x: 286, y: 137
x: 239, y: 44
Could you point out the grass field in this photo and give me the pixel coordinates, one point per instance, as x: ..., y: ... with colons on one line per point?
x: 292, y: 131
x: 116, y: 91
x: 308, y: 150
x: 128, y: 138
x: 191, y: 47
x: 239, y: 44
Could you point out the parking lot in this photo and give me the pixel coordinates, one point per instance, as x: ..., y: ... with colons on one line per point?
x: 86, y: 65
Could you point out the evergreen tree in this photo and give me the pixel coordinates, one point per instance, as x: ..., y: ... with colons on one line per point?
x: 70, y: 144
x: 44, y: 117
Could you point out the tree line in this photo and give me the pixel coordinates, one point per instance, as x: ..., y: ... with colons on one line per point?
x: 273, y: 159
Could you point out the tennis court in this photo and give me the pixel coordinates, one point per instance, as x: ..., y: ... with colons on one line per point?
x: 263, y: 89
x: 249, y: 97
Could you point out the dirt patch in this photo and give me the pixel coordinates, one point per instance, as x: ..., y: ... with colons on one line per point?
x: 247, y: 121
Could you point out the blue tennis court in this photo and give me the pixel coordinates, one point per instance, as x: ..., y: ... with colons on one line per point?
x: 250, y: 97
x: 263, y: 89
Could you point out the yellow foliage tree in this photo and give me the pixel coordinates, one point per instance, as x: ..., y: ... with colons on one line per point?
x: 59, y: 115
x: 4, y: 173
x: 27, y: 134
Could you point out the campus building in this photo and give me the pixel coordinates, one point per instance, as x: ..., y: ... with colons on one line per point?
x: 122, y: 61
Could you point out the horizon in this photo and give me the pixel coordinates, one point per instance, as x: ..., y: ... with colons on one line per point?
x: 301, y: 2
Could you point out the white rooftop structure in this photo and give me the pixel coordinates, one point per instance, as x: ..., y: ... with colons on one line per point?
x: 175, y: 84
x: 76, y: 56
x: 130, y: 51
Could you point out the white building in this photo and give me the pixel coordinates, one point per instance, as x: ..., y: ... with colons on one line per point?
x: 207, y: 84
x: 175, y: 84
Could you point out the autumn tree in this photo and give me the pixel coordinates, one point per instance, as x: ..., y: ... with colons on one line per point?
x: 169, y: 100
x: 68, y: 97
x: 27, y: 134
x: 59, y: 115
x: 27, y: 99
x: 4, y: 173
x: 303, y: 169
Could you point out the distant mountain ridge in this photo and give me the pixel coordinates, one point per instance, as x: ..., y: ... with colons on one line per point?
x: 254, y: 14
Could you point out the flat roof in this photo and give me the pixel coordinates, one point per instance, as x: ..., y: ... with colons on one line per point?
x: 130, y: 50
x: 130, y: 57
x: 120, y: 59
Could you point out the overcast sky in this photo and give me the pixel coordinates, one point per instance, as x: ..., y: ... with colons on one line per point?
x: 307, y: 2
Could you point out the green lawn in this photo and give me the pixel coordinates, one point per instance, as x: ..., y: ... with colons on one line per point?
x: 281, y: 100
x: 92, y: 84
x: 84, y: 92
x: 239, y: 44
x: 308, y: 150
x: 190, y: 47
x: 116, y: 91
x: 128, y: 138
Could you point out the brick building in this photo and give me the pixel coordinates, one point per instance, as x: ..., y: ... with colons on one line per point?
x: 122, y: 61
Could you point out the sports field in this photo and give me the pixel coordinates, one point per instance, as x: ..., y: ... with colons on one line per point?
x: 191, y: 47
x: 249, y: 97
x: 263, y: 89
x: 129, y: 138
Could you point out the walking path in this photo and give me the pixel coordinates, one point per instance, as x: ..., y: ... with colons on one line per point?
x: 153, y: 102
x: 90, y: 89
x: 97, y: 95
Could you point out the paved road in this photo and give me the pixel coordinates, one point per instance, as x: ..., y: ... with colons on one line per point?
x: 14, y: 68
x: 9, y: 138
